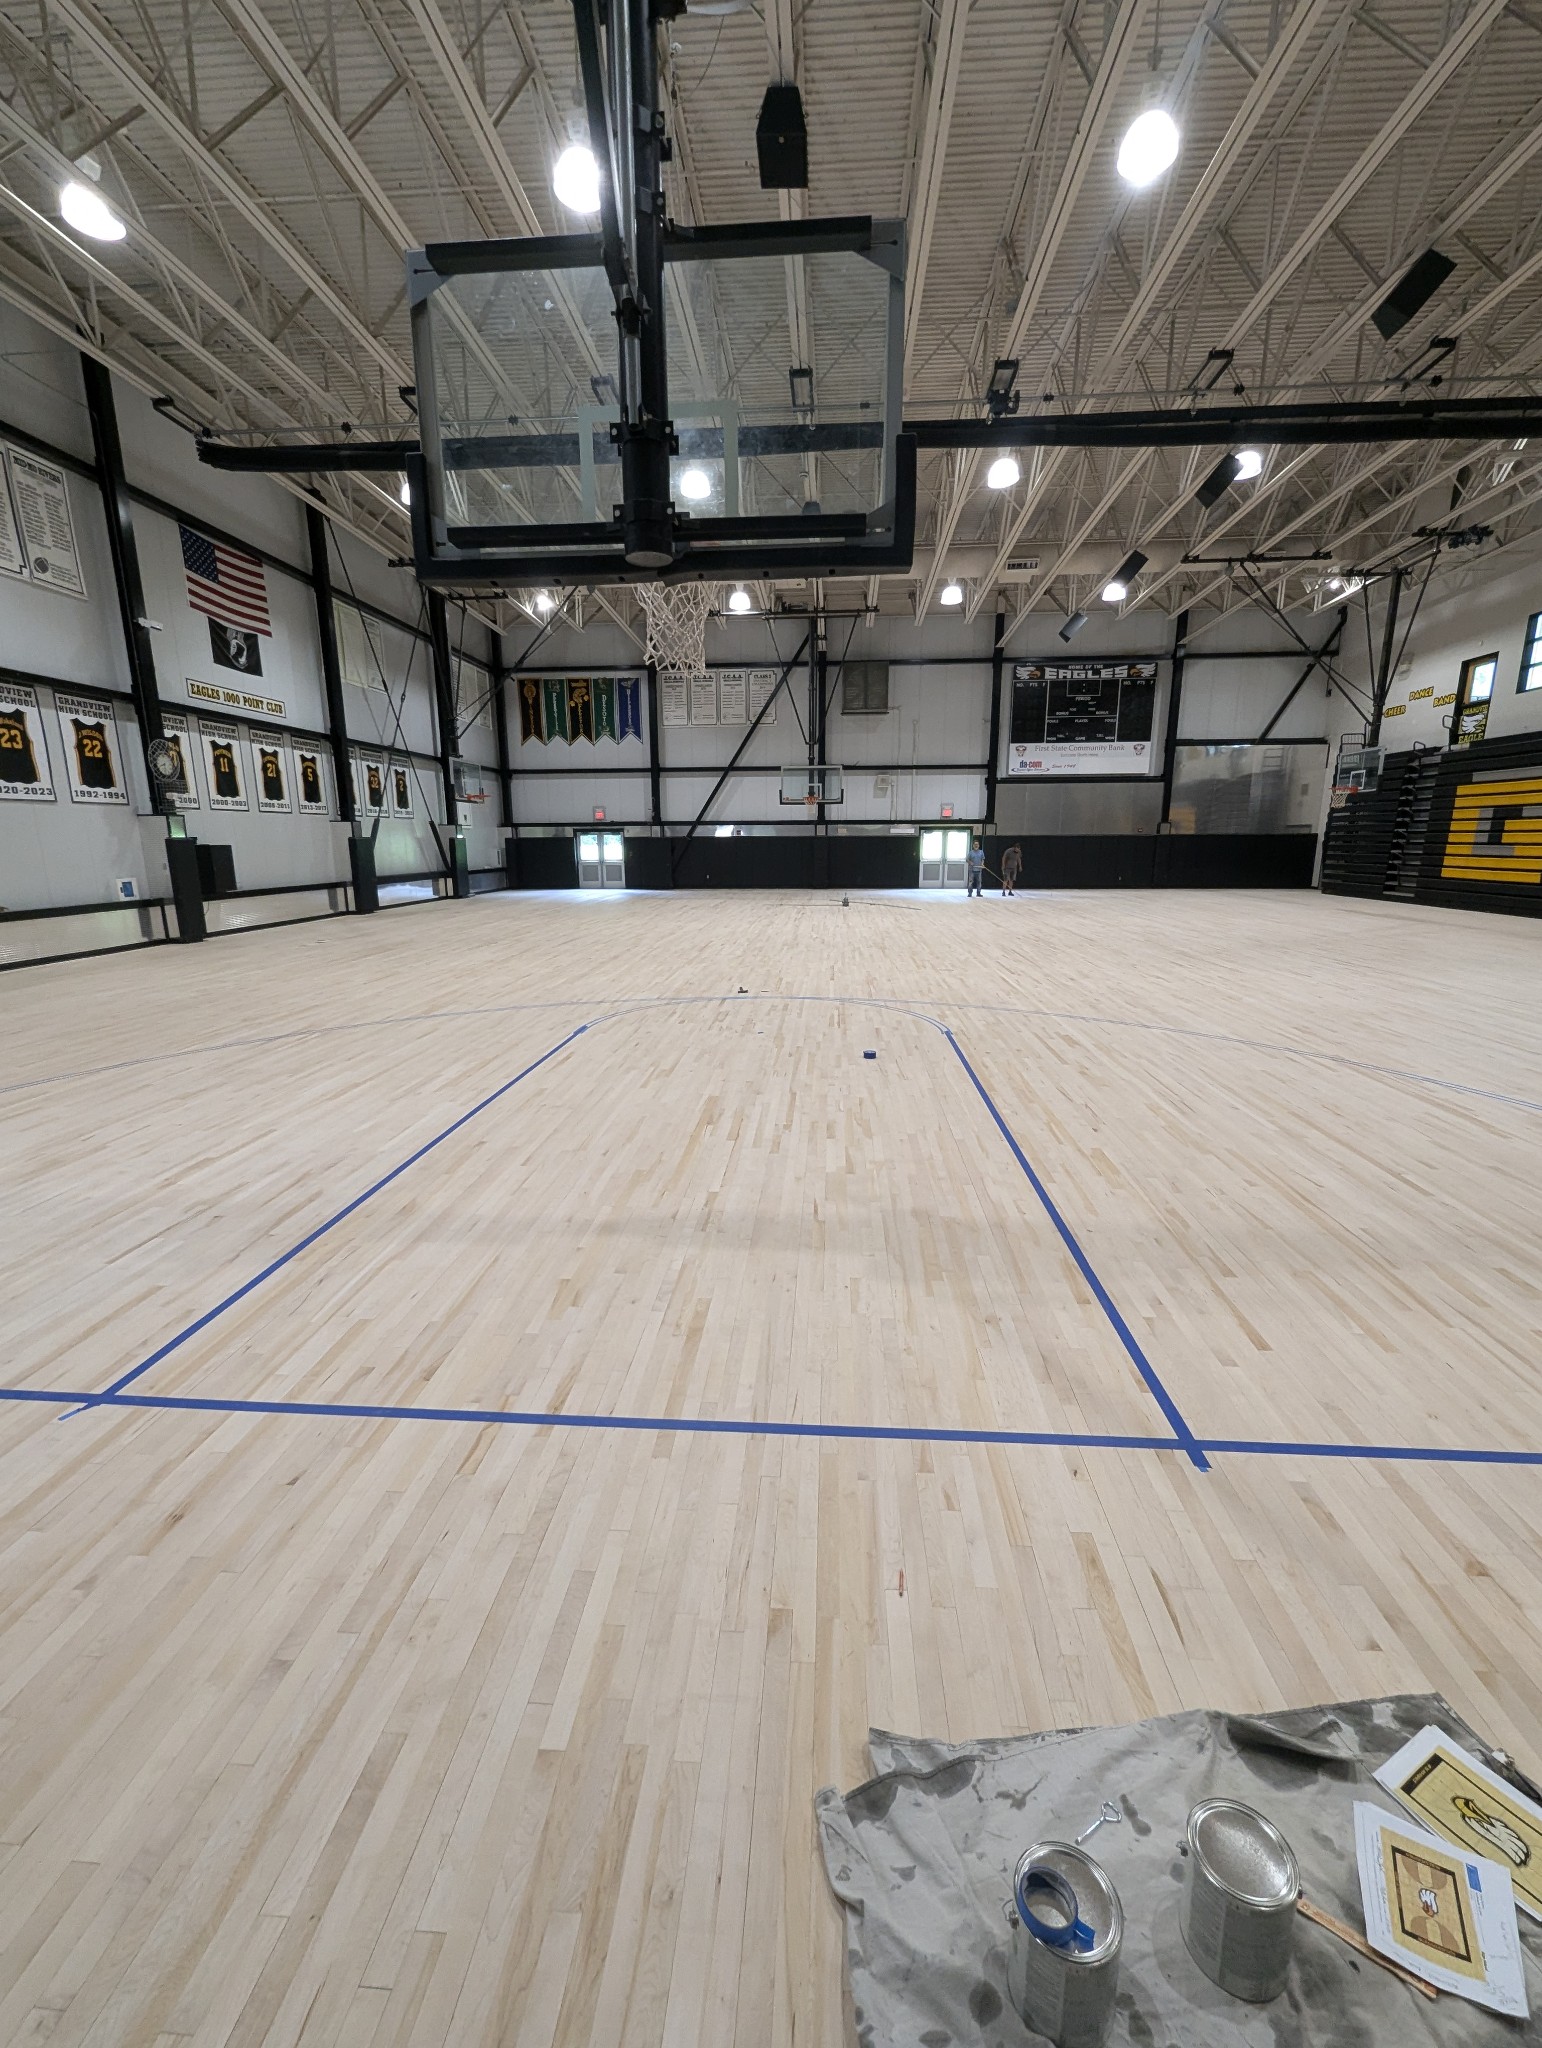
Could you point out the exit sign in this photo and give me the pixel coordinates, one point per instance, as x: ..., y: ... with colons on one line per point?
x: 947, y: 810
x: 599, y: 814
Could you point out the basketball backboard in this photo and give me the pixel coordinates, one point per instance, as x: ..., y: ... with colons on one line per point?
x: 784, y: 350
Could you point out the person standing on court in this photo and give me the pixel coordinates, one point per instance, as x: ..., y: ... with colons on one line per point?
x: 976, y: 867
x: 1011, y: 868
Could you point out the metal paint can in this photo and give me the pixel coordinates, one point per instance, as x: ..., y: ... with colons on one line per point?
x: 1240, y: 1888
x: 1067, y: 1930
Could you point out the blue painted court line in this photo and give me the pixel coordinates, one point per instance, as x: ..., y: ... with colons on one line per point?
x: 1125, y: 1334
x: 294, y: 1251
x: 536, y: 1418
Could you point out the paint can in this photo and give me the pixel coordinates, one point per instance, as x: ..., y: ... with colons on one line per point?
x: 1240, y: 1887
x: 1067, y: 1930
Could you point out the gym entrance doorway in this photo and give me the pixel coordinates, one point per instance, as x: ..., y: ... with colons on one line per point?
x: 944, y: 860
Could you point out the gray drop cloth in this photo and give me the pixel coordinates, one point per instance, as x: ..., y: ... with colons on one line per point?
x: 921, y: 1857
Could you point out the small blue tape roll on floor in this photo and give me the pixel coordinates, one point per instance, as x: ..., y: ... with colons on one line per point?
x: 869, y: 1055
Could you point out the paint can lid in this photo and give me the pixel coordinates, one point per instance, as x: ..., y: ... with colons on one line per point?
x: 1243, y: 1854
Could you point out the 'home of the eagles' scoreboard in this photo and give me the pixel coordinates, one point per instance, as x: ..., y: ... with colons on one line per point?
x: 1082, y: 718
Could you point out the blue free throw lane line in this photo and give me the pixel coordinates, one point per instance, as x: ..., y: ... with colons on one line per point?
x: 1169, y: 1407
x: 536, y: 1418
x: 294, y: 1251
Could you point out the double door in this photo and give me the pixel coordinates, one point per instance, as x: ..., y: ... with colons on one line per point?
x: 601, y: 861
x: 944, y: 860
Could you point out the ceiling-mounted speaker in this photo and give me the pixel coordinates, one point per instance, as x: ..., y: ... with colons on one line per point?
x: 781, y: 140
x: 1413, y: 290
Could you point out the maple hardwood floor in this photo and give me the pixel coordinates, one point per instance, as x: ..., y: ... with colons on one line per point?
x: 329, y: 1727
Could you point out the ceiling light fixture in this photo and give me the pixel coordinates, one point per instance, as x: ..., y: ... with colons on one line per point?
x: 952, y: 594
x: 575, y: 179
x: 405, y: 493
x: 87, y: 212
x: 1219, y: 481
x: 1117, y: 588
x: 1150, y: 145
x: 740, y: 600
x: 695, y: 484
x: 1250, y: 463
x: 1115, y: 592
x: 544, y: 601
x: 1003, y: 473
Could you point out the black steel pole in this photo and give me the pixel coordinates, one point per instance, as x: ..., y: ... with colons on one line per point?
x: 655, y: 765
x: 501, y: 720
x: 126, y: 578
x: 444, y: 698
x: 1384, y: 665
x: 1174, y: 706
x: 993, y: 758
x: 331, y: 667
x: 361, y: 846
x: 648, y: 519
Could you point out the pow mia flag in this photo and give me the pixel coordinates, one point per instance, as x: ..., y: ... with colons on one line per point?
x: 233, y: 647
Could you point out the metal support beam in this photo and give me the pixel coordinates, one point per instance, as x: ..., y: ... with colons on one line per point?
x: 331, y: 667
x: 678, y: 846
x: 1384, y: 665
x: 1321, y: 660
x: 1174, y: 711
x: 501, y: 723
x: 993, y: 757
x: 655, y: 801
x: 125, y: 567
x: 444, y: 703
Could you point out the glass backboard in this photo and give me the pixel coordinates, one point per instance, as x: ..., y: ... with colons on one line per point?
x: 784, y: 346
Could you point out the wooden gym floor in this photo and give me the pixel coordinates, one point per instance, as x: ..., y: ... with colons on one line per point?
x: 327, y: 1723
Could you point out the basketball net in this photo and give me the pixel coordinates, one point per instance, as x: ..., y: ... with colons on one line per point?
x: 677, y: 624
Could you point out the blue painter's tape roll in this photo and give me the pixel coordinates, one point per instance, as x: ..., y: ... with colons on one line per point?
x: 869, y: 1055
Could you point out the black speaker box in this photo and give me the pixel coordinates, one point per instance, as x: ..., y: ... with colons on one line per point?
x: 216, y: 870
x: 781, y: 140
x: 1415, y: 288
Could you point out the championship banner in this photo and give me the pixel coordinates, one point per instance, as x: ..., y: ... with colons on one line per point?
x: 530, y: 726
x: 628, y: 708
x: 42, y: 498
x: 604, y: 708
x: 732, y: 696
x: 182, y: 787
x: 24, y: 771
x: 580, y: 709
x: 675, y: 701
x: 554, y: 707
x: 222, y: 765
x: 312, y: 782
x: 703, y: 700
x: 12, y: 561
x: 271, y: 757
x: 1081, y: 718
x: 90, y: 736
x: 401, y: 790
x: 762, y: 688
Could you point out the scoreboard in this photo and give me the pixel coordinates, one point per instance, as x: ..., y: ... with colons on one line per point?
x: 1082, y: 718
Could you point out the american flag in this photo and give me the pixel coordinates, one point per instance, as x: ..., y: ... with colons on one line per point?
x: 223, y: 582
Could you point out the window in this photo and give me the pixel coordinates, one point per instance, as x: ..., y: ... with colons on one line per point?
x: 1478, y: 678
x: 1531, y: 659
x: 864, y: 688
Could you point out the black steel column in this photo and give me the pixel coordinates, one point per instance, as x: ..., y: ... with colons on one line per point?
x: 1174, y: 704
x: 993, y: 758
x: 639, y: 151
x: 331, y: 667
x: 449, y: 738
x: 655, y: 765
x: 361, y: 849
x: 501, y: 716
x: 125, y: 566
x: 1383, y: 683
